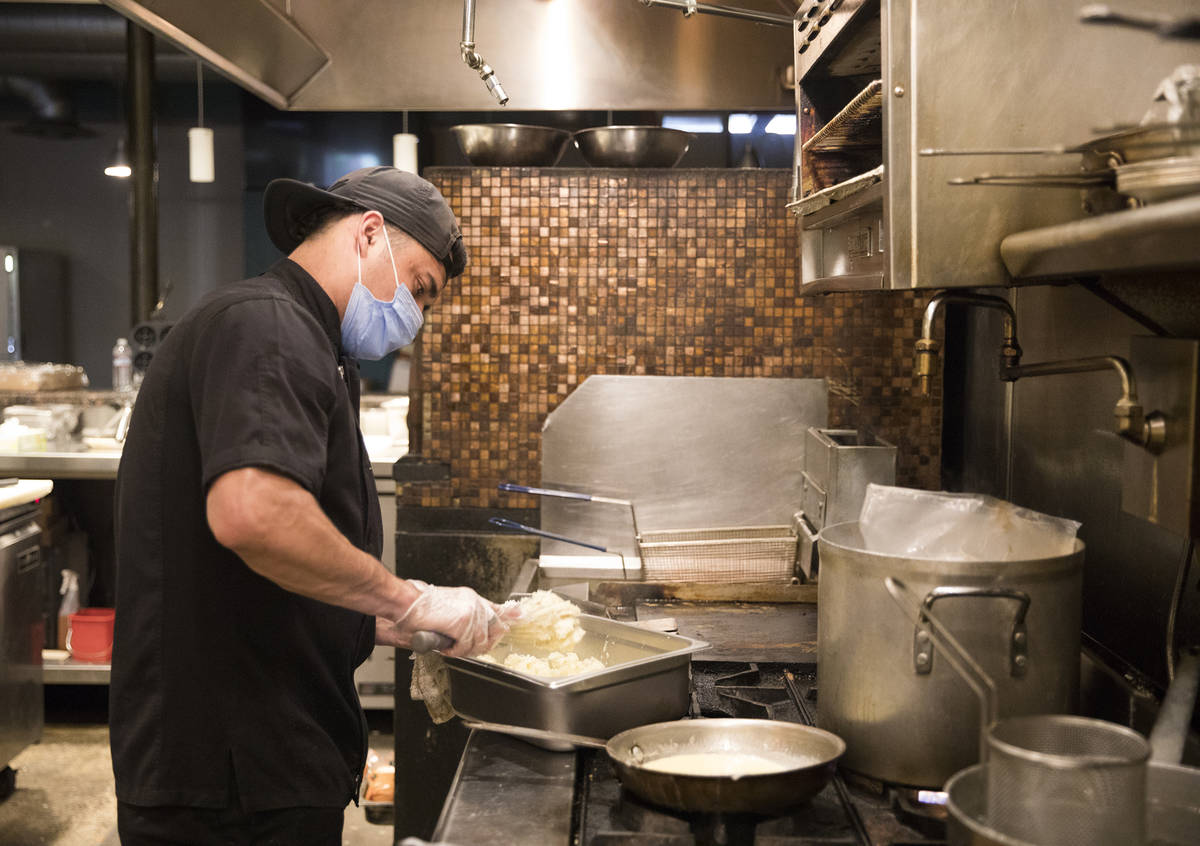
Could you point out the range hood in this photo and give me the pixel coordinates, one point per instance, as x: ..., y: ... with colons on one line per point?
x: 382, y: 55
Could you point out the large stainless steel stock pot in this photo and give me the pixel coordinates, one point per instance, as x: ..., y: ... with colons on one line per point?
x: 904, y: 713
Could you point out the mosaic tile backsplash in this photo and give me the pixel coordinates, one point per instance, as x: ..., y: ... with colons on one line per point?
x: 658, y: 272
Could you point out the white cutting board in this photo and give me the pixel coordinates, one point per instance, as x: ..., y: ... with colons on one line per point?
x: 24, y: 491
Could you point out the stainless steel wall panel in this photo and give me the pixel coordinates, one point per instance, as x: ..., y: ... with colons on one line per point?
x: 1004, y: 75
x: 989, y: 76
x: 1067, y: 460
x: 1161, y: 487
x: 690, y: 452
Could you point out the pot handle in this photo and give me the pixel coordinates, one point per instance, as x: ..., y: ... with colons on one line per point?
x: 1018, y: 641
x: 957, y: 657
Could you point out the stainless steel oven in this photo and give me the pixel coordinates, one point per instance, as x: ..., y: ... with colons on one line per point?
x: 22, y: 630
x: 886, y: 88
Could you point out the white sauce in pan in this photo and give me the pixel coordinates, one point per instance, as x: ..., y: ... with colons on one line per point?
x: 732, y: 764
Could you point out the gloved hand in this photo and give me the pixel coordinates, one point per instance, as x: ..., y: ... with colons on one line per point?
x: 474, y: 623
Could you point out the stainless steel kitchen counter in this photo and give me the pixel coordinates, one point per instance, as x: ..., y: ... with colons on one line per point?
x: 102, y: 464
x: 508, y: 791
x: 75, y: 672
x: 87, y: 464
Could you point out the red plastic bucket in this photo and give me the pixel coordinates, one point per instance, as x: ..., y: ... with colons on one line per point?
x: 90, y: 635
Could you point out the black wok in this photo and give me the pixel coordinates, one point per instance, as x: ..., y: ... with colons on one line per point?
x: 810, y: 755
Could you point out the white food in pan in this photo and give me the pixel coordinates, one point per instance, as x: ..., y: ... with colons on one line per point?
x: 547, y: 622
x: 548, y: 626
x: 730, y: 764
x: 554, y: 665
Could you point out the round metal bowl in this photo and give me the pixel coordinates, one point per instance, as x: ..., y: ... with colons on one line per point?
x: 510, y: 144
x: 632, y: 146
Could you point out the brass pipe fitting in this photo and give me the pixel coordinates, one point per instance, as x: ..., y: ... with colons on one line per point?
x: 927, y: 358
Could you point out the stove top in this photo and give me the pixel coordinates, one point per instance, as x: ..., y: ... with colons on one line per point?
x: 848, y: 811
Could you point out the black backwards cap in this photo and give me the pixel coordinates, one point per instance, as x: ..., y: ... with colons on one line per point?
x: 404, y: 199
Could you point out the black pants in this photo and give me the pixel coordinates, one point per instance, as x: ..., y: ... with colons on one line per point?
x: 172, y: 825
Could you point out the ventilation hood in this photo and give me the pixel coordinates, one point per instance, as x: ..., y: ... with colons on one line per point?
x: 381, y: 55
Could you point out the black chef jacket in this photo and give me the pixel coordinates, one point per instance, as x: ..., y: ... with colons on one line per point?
x: 221, y: 679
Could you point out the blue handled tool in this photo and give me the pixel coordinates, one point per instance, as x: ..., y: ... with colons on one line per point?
x: 521, y: 527
x: 513, y: 488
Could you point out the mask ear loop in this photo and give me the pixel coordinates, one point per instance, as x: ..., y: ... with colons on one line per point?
x: 358, y: 255
x: 395, y: 273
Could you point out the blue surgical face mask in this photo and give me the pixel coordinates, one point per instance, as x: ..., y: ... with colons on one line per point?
x: 373, y: 328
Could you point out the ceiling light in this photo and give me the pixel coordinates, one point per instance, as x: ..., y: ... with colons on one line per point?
x: 200, y: 154
x: 694, y: 123
x: 200, y: 138
x: 119, y: 165
x: 784, y: 124
x: 404, y: 149
x: 742, y: 124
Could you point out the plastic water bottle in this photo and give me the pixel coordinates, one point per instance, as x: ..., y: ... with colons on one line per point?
x: 122, y: 366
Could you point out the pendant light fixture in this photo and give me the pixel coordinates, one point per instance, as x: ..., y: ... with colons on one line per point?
x: 404, y: 149
x: 200, y: 138
x: 118, y: 166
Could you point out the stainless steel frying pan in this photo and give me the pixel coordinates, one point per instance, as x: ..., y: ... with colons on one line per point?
x: 810, y: 755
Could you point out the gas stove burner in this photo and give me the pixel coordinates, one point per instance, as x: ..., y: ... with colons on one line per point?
x: 863, y: 813
x: 650, y: 824
x: 922, y: 810
x: 750, y: 694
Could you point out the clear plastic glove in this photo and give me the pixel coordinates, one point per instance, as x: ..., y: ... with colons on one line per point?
x: 474, y: 623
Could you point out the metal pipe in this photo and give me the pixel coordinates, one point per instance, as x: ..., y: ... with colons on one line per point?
x: 75, y: 42
x: 691, y: 7
x: 474, y: 61
x: 1146, y: 430
x: 47, y: 100
x: 1169, y: 735
x: 143, y: 223
x: 928, y: 347
x: 1077, y: 365
x: 469, y: 22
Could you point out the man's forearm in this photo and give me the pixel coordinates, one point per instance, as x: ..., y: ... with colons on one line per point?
x: 280, y: 531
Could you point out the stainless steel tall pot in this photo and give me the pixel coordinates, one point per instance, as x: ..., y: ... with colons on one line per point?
x: 904, y: 713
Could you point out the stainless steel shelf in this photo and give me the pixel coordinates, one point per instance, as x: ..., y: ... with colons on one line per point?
x: 1158, y: 237
x: 75, y: 672
x: 60, y: 465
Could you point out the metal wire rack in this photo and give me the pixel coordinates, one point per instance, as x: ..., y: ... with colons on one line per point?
x: 731, y: 554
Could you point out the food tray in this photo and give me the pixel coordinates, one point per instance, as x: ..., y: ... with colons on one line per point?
x: 33, y: 377
x: 859, y: 124
x: 646, y: 680
x: 834, y: 193
x: 735, y: 554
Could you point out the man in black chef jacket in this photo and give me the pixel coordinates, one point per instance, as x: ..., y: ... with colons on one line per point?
x: 249, y: 585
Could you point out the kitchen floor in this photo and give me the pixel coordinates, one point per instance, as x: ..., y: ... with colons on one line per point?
x: 64, y: 793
